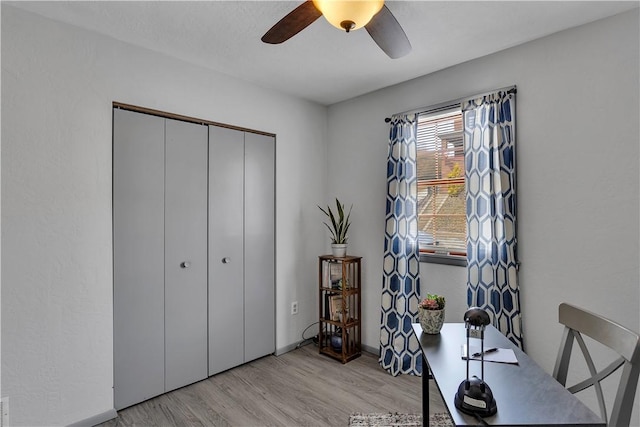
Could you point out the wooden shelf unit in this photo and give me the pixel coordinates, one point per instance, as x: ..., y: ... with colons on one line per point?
x: 340, y: 307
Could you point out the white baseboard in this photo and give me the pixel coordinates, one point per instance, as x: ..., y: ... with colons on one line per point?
x: 288, y: 348
x: 96, y: 419
x: 372, y: 350
x: 282, y: 350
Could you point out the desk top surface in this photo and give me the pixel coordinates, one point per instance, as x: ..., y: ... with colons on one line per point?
x: 525, y: 394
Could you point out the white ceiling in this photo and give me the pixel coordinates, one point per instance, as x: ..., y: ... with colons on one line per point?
x: 321, y: 63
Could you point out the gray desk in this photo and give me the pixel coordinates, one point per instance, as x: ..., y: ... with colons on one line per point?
x: 526, y: 395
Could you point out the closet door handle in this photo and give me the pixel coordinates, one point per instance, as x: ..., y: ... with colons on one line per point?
x: 226, y: 260
x: 185, y: 264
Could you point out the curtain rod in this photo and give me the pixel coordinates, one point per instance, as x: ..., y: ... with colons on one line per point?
x: 449, y: 104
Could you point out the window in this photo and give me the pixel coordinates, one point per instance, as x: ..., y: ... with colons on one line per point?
x: 442, y: 223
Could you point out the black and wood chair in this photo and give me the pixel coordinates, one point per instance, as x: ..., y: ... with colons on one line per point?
x: 616, y: 337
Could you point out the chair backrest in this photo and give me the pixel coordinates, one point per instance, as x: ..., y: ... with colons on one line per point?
x: 623, y: 341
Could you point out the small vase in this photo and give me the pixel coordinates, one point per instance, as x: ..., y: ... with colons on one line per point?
x: 339, y: 250
x: 431, y: 320
x: 336, y: 343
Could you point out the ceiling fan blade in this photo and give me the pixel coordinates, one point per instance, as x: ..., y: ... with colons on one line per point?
x: 385, y: 30
x: 297, y: 20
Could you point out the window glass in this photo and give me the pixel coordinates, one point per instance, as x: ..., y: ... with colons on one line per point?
x: 442, y: 223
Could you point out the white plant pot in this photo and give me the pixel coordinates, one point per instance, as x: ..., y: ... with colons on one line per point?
x: 339, y: 250
x: 431, y: 320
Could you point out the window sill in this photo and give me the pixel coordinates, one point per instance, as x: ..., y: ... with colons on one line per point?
x: 443, y: 259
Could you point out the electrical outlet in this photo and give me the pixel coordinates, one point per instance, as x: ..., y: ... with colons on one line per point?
x: 4, y: 412
x: 294, y: 307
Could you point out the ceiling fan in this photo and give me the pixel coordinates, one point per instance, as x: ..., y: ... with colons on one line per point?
x: 347, y: 15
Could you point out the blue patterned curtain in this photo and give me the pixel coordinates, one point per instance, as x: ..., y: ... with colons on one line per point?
x: 492, y: 263
x: 399, y: 352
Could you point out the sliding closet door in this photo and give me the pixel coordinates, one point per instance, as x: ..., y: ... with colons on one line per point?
x: 185, y: 263
x: 226, y: 249
x: 138, y: 257
x: 259, y: 232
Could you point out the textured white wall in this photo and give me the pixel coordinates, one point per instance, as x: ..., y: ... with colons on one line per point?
x: 578, y: 175
x: 58, y: 83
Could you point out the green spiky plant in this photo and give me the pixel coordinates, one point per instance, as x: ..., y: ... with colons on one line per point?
x: 339, y: 223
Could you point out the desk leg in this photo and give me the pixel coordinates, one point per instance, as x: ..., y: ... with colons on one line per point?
x: 425, y: 392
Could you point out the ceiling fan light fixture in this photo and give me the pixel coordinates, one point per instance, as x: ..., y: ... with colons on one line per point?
x: 348, y: 15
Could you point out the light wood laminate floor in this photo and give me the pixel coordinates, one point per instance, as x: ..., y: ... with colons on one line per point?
x: 299, y: 388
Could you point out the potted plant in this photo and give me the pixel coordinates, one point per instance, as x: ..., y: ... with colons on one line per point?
x: 338, y: 228
x: 431, y: 313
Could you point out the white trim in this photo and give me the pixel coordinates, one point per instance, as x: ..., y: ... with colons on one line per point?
x: 96, y: 419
